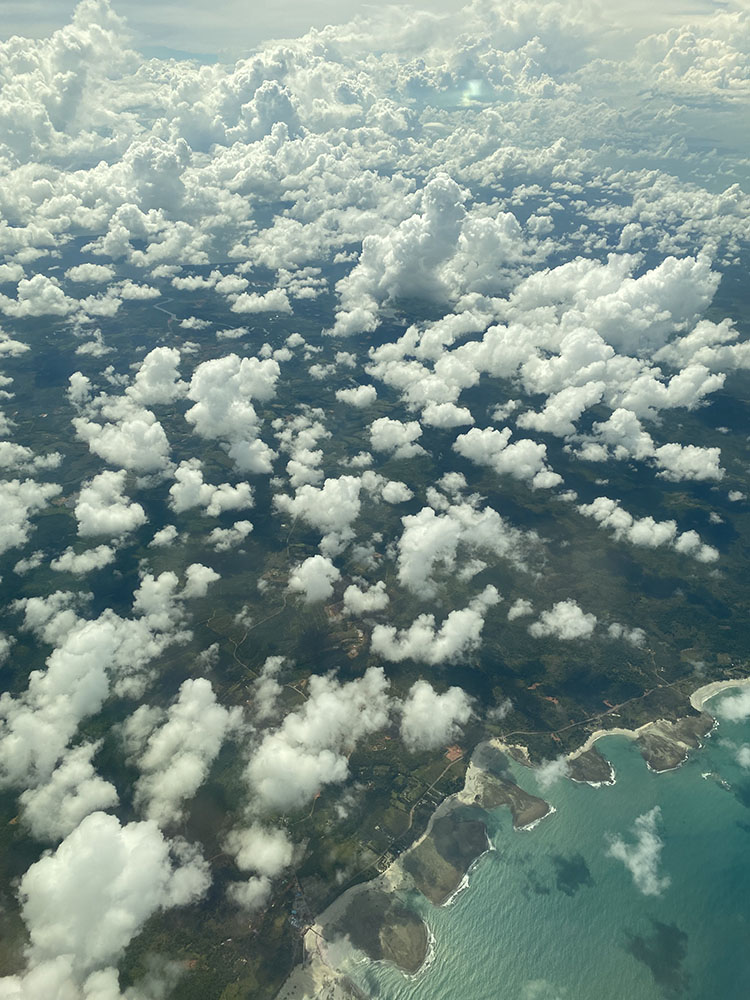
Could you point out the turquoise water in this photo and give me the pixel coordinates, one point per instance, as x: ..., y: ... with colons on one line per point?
x: 550, y: 914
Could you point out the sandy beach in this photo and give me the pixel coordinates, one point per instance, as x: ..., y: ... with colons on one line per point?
x: 703, y: 694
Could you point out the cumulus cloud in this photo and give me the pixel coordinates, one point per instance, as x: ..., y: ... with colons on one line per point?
x: 330, y: 509
x: 735, y: 707
x: 122, y: 433
x: 74, y: 789
x: 360, y: 396
x: 309, y: 750
x: 642, y: 857
x: 523, y: 459
x: 395, y: 437
x: 88, y: 899
x: 178, y: 754
x: 226, y: 539
x: 20, y: 499
x: 646, y: 531
x: 266, y: 688
x: 459, y: 634
x: 103, y: 509
x: 551, y: 771
x: 429, y: 719
x: 360, y: 600
x: 190, y: 490
x: 565, y: 620
x: 83, y: 562
x: 157, y: 379
x: 431, y: 541
x: 314, y: 579
x: 222, y: 391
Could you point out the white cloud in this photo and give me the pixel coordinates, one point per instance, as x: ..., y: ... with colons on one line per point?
x: 735, y: 707
x: 396, y: 437
x: 330, y: 509
x: 222, y: 391
x: 190, y: 490
x: 90, y: 273
x: 314, y: 579
x: 360, y: 396
x: 310, y: 748
x: 157, y: 379
x: 260, y: 849
x: 519, y: 609
x: 430, y: 719
x: 226, y: 539
x: 642, y: 858
x: 198, y: 579
x: 551, y: 771
x: 19, y: 499
x: 360, y: 600
x: 103, y: 509
x: 565, y: 620
x: 645, y: 531
x: 459, y: 634
x: 74, y: 789
x: 523, y: 459
x: 90, y: 897
x: 178, y: 754
x: 83, y: 562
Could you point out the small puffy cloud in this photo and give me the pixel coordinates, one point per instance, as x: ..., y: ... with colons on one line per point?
x: 642, y: 857
x: 90, y: 897
x: 565, y: 620
x: 446, y: 415
x: 395, y: 491
x: 128, y: 436
x: 429, y: 719
x: 157, y: 379
x: 396, y: 437
x: 264, y: 850
x: 19, y: 499
x: 94, y: 274
x: 163, y: 537
x: 431, y: 541
x: 551, y: 771
x: 226, y: 539
x: 314, y: 579
x: 38, y: 296
x: 190, y: 490
x: 524, y: 459
x: 275, y: 300
x: 198, y: 580
x: 74, y: 789
x: 635, y: 636
x: 458, y: 635
x: 331, y: 509
x: 310, y: 748
x: 360, y: 396
x: 519, y: 609
x: 645, y: 531
x: 178, y: 754
x: 364, y: 600
x: 83, y: 562
x: 735, y: 707
x: 266, y: 688
x: 103, y: 509
x: 222, y: 391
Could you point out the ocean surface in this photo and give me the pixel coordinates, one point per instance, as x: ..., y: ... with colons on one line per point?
x: 553, y: 913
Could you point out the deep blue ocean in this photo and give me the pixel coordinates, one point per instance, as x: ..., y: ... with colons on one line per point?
x: 554, y: 913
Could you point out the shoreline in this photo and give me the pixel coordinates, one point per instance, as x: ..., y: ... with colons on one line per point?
x: 318, y: 972
x: 701, y: 695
